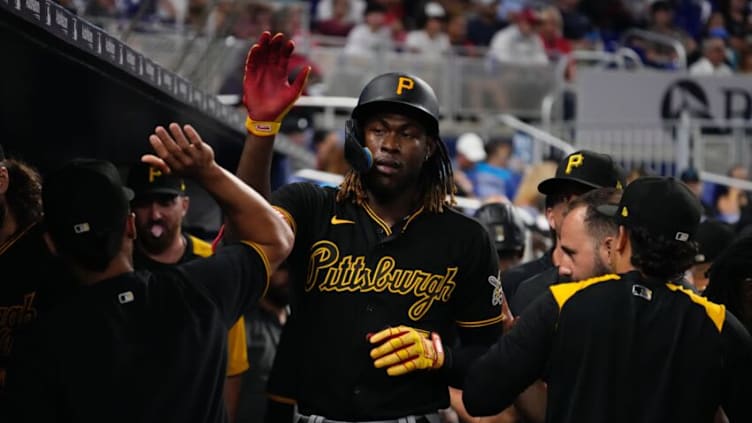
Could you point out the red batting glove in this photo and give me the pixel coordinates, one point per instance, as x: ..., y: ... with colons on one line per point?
x: 267, y: 94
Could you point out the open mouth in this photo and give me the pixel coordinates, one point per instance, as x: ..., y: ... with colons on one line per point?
x: 387, y: 166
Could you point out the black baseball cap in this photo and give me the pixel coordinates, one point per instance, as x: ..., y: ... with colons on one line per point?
x: 662, y: 206
x: 146, y: 180
x: 85, y: 203
x: 587, y: 168
x: 713, y: 236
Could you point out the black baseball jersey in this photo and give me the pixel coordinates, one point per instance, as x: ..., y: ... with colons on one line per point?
x: 536, y: 286
x: 237, y: 353
x: 141, y: 346
x: 620, y: 349
x: 354, y: 275
x: 512, y: 278
x: 33, y: 281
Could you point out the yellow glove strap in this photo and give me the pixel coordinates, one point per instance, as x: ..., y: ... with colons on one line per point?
x: 262, y: 129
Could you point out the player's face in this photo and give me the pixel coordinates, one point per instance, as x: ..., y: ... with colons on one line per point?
x: 400, y: 146
x: 580, y: 256
x: 158, y: 220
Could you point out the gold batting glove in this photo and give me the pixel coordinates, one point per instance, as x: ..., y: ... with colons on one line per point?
x: 404, y: 349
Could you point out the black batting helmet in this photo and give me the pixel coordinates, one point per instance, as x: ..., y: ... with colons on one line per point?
x: 504, y: 224
x: 400, y: 93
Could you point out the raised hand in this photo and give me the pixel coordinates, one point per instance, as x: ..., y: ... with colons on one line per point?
x: 179, y: 150
x: 267, y: 93
x: 404, y: 349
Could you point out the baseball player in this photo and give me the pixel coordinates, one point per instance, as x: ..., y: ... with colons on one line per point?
x: 27, y: 291
x: 388, y: 277
x: 142, y: 346
x: 159, y: 204
x: 631, y: 346
x: 504, y: 224
x: 576, y: 174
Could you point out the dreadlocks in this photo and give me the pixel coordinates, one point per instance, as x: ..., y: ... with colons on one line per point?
x: 24, y: 194
x: 436, y: 183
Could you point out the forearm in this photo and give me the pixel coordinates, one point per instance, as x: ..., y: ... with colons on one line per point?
x: 249, y: 216
x: 254, y: 167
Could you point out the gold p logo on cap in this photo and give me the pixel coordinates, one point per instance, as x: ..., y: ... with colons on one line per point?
x: 154, y: 173
x: 575, y: 160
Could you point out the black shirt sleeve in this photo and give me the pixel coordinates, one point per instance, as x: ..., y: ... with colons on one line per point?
x: 737, y: 370
x: 514, y: 362
x: 235, y: 277
x: 300, y: 203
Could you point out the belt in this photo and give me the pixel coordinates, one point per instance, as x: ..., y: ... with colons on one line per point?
x: 427, y: 418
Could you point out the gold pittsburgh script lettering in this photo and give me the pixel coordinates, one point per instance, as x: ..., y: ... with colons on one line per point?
x: 332, y: 273
x: 12, y: 316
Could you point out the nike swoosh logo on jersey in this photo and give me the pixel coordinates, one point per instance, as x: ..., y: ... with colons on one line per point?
x: 336, y: 221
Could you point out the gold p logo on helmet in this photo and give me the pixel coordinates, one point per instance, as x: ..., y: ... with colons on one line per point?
x: 404, y: 83
x: 154, y: 173
x: 575, y: 160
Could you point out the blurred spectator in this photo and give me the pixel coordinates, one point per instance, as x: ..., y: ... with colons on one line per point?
x: 713, y: 61
x: 485, y: 24
x: 371, y: 36
x: 662, y: 22
x: 432, y: 40
x: 457, y: 33
x: 330, y: 154
x: 729, y: 201
x: 575, y: 25
x: 494, y: 178
x: 737, y: 17
x: 550, y: 31
x: 691, y: 179
x: 329, y: 9
x: 518, y: 43
x: 340, y: 20
x: 253, y: 19
x: 745, y: 61
x: 638, y: 172
x: 470, y: 151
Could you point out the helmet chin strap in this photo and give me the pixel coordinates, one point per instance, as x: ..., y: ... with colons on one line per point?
x: 359, y: 156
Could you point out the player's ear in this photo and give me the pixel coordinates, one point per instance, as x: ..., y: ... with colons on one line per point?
x: 4, y: 180
x: 130, y: 226
x: 185, y: 202
x: 430, y: 147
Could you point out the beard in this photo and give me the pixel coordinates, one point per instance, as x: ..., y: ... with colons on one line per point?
x: 600, y: 267
x: 156, y: 237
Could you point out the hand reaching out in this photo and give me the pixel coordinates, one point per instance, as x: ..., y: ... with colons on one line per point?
x: 267, y: 93
x: 180, y: 151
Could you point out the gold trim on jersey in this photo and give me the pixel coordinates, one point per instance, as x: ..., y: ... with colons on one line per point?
x: 716, y: 312
x: 15, y: 237
x: 266, y: 263
x: 387, y: 229
x: 288, y: 217
x: 481, y: 323
x: 200, y: 248
x: 563, y: 292
x: 328, y: 272
x: 412, y: 217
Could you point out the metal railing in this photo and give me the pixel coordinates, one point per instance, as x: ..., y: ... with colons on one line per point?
x: 658, y: 39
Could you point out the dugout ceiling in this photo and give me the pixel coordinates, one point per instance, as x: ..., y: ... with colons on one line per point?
x: 68, y: 89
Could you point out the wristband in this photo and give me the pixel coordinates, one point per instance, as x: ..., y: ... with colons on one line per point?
x: 262, y: 129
